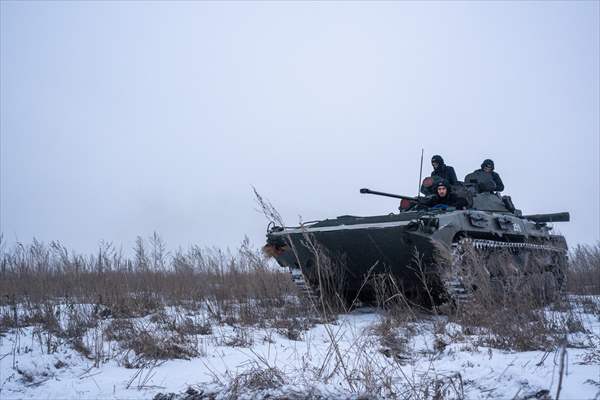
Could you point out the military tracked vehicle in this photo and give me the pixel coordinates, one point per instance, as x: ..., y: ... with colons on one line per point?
x: 408, y: 245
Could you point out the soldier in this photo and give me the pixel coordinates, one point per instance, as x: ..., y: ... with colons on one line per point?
x: 443, y: 196
x: 442, y: 170
x: 487, y: 166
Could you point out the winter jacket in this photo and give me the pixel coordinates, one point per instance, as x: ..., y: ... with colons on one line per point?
x: 446, y: 172
x: 451, y: 200
x: 496, y: 178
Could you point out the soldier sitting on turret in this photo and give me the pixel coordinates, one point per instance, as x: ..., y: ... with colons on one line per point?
x: 443, y: 196
x: 487, y: 166
x: 442, y: 170
x: 485, y: 179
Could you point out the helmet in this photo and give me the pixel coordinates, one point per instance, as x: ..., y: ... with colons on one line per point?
x: 489, y: 162
x: 438, y: 159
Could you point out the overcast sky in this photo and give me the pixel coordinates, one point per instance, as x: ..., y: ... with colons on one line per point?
x: 122, y: 118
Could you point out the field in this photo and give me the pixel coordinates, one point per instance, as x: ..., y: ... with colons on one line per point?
x: 206, y: 323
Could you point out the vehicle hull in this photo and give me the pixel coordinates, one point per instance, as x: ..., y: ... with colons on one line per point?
x: 411, y: 248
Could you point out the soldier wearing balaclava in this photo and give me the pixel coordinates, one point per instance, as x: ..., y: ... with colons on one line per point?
x: 487, y: 166
x: 442, y: 170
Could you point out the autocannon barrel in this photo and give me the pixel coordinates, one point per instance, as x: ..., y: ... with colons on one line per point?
x: 396, y: 196
x: 555, y: 217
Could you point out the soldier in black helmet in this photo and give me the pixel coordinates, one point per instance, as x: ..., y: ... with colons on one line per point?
x: 487, y: 166
x: 442, y: 170
x: 443, y: 196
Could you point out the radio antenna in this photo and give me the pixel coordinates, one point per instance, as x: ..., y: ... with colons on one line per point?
x: 420, y: 175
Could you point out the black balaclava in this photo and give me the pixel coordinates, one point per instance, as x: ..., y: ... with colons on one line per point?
x: 487, y: 161
x: 438, y: 159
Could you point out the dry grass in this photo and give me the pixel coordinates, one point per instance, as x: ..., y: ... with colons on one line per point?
x: 70, y: 295
x: 39, y: 274
x: 584, y: 271
x: 256, y: 378
x: 392, y: 343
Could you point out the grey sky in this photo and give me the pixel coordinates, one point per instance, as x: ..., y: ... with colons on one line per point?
x: 121, y: 118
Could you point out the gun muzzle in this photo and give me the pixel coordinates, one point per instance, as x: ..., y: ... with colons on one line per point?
x: 555, y: 217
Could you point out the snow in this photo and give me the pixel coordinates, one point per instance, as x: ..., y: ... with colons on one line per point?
x: 341, y: 359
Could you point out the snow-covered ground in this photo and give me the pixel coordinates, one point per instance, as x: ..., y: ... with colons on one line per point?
x: 343, y: 359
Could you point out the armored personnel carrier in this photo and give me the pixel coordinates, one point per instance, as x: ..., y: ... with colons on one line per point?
x: 420, y: 247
